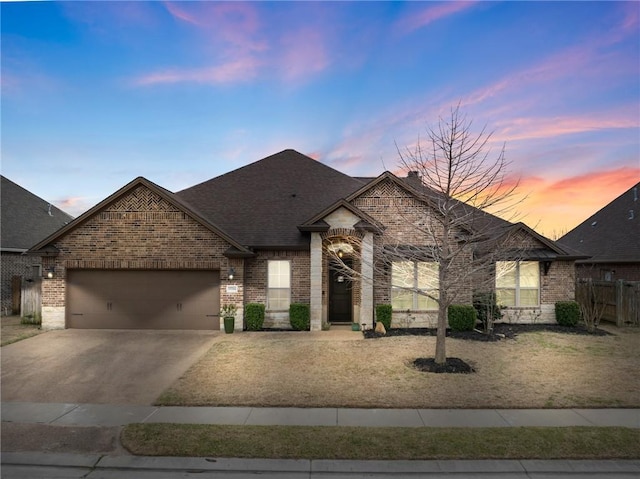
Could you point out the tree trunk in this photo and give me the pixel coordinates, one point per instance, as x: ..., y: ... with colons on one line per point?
x: 441, y: 353
x: 443, y: 301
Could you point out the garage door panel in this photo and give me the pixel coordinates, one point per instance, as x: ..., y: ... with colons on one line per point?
x: 143, y: 299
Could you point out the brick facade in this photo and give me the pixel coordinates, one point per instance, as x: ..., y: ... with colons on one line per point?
x: 140, y: 231
x: 407, y: 221
x: 255, y: 283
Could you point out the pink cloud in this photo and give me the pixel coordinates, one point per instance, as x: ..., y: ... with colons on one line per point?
x: 241, y: 69
x: 534, y: 128
x: 73, y: 205
x: 231, y: 31
x: 430, y: 14
x: 235, y: 24
x: 303, y: 53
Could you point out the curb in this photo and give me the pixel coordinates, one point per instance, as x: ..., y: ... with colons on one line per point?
x: 316, y: 466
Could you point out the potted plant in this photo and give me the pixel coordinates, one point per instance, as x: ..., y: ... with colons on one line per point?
x: 228, y: 313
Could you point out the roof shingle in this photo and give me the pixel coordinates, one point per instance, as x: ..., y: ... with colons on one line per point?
x: 613, y: 233
x: 26, y: 218
x: 262, y: 204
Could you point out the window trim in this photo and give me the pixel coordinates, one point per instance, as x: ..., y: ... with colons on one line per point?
x: 414, y: 294
x: 517, y: 288
x: 288, y: 290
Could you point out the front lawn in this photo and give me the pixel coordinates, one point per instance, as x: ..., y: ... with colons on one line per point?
x: 13, y: 330
x: 535, y: 370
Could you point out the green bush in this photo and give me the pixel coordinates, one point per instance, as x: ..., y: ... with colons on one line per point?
x: 299, y: 316
x: 567, y: 313
x: 487, y: 308
x: 462, y: 317
x: 254, y: 316
x: 34, y: 318
x: 383, y: 315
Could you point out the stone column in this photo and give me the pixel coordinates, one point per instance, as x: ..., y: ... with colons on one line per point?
x: 315, y: 274
x: 366, y: 283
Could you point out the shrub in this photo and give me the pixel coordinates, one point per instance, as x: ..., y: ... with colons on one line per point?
x: 567, y: 313
x: 383, y: 315
x: 487, y: 308
x: 299, y: 316
x: 254, y: 315
x: 462, y: 317
x: 34, y: 318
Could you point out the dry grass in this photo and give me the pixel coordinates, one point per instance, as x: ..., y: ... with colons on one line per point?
x: 322, y: 369
x: 381, y: 443
x: 12, y: 331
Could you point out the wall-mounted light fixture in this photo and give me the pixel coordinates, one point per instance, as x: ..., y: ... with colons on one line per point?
x: 340, y: 249
x: 50, y: 272
x: 231, y: 273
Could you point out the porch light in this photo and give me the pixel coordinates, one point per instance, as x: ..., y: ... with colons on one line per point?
x: 231, y: 274
x: 340, y: 249
x: 49, y: 273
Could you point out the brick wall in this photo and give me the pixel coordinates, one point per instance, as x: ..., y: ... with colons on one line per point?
x: 407, y: 221
x: 15, y: 264
x: 137, y: 231
x: 255, y: 284
x: 609, y: 271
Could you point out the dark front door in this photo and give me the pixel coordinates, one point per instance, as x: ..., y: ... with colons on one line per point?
x: 340, y: 298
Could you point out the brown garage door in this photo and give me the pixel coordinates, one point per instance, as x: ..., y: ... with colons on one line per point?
x: 143, y: 299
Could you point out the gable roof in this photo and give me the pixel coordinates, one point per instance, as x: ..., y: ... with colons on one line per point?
x: 26, y: 218
x: 236, y: 250
x: 263, y: 203
x: 484, y: 222
x: 489, y: 227
x: 317, y: 223
x: 612, y: 234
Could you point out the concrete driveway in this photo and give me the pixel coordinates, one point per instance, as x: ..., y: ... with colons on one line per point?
x: 99, y: 366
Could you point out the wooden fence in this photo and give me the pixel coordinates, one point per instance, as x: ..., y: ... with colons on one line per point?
x: 30, y: 301
x: 620, y: 299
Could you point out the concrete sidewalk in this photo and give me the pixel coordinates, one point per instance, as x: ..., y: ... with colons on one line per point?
x: 118, y: 415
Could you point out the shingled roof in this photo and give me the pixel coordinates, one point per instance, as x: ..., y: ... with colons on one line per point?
x: 613, y: 233
x: 262, y: 204
x: 26, y: 218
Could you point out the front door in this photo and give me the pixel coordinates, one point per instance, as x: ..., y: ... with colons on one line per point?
x: 340, y: 296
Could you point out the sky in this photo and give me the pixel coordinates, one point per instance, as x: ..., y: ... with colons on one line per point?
x: 95, y: 94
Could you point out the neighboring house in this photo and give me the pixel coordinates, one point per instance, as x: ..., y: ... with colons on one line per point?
x: 26, y: 219
x: 149, y: 258
x: 611, y: 239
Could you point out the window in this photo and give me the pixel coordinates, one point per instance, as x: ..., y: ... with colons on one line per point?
x: 518, y: 283
x: 278, y: 285
x: 407, y: 277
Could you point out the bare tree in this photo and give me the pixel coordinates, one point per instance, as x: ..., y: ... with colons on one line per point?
x: 455, y: 175
x: 592, y: 302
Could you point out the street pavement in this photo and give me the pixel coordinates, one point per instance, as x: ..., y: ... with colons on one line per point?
x: 34, y: 466
x: 117, y: 464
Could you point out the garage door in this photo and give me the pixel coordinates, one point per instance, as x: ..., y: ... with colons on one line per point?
x: 143, y: 299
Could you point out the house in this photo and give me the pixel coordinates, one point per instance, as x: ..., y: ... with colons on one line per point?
x: 611, y: 239
x: 26, y: 219
x: 149, y: 258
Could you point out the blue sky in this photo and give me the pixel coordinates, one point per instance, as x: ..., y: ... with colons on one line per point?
x: 95, y: 94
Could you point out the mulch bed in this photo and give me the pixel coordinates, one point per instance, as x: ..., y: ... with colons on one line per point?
x: 500, y: 331
x: 452, y: 365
